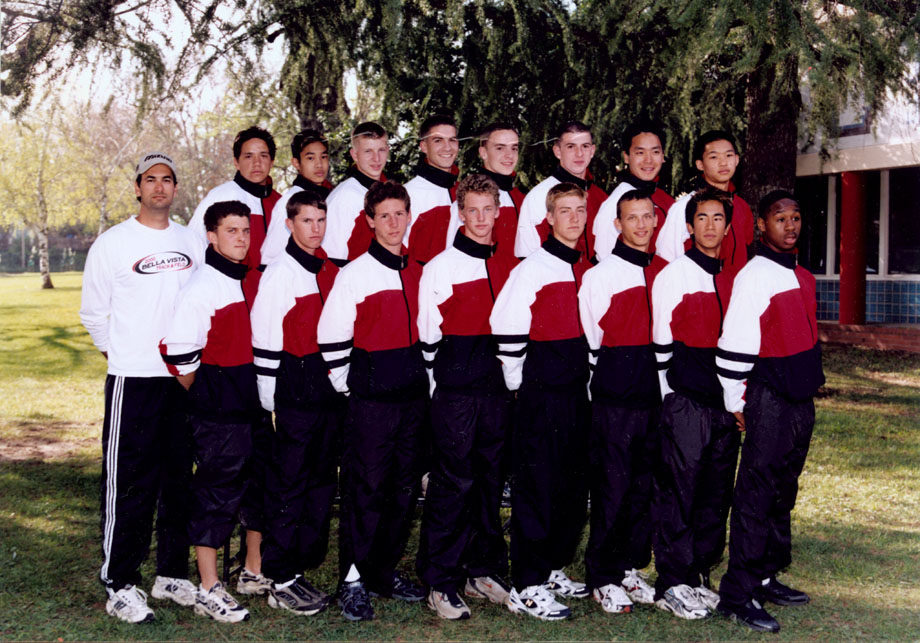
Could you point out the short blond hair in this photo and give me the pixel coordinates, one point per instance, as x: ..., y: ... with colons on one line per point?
x: 560, y: 190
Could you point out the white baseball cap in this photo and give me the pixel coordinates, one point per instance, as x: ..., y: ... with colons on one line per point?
x: 150, y: 159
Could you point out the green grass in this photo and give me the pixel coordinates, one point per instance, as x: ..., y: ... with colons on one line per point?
x: 856, y: 527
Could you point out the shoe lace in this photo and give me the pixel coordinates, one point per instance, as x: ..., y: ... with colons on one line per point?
x: 133, y: 596
x: 355, y: 597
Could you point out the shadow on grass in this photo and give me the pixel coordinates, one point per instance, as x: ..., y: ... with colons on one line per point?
x: 49, y: 537
x: 50, y: 353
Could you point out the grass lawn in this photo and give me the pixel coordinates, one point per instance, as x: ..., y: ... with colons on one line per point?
x: 856, y: 527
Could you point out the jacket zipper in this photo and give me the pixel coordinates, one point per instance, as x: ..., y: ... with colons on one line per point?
x: 715, y: 287
x: 408, y: 310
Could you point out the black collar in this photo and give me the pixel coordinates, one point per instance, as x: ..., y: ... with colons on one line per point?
x: 709, y: 264
x: 223, y: 265
x: 472, y: 248
x: 255, y: 189
x: 505, y: 181
x: 561, y: 251
x: 387, y: 258
x: 311, y: 263
x: 701, y: 184
x: 785, y: 259
x: 309, y: 186
x: 628, y: 177
x: 439, y: 177
x: 633, y: 256
x: 565, y: 176
x: 363, y: 178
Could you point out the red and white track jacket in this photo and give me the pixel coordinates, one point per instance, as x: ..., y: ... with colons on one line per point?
x: 278, y: 233
x: 689, y: 299
x: 431, y: 192
x: 210, y: 336
x: 605, y: 231
x: 367, y: 331
x: 533, y: 228
x: 535, y: 320
x: 510, y: 199
x: 456, y: 296
x: 261, y: 200
x: 347, y: 233
x: 771, y: 332
x: 291, y: 372
x: 615, y: 303
x: 674, y: 239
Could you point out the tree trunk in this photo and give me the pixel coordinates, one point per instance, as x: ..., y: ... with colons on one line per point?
x: 773, y: 104
x: 103, y: 212
x: 44, y: 260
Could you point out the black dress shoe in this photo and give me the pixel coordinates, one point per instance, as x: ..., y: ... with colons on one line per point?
x: 750, y: 614
x: 779, y: 594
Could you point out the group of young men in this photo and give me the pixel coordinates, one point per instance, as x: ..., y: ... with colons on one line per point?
x: 353, y: 338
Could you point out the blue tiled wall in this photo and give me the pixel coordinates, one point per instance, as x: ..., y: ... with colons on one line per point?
x: 887, y: 302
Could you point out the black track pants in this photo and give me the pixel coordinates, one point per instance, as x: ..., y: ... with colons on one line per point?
x: 146, y: 467
x: 772, y: 457
x: 380, y: 480
x: 693, y: 489
x: 461, y: 532
x: 300, y: 488
x: 222, y: 453
x: 622, y: 447
x: 252, y: 508
x: 549, y: 499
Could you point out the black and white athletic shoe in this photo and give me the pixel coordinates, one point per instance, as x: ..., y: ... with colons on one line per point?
x: 539, y: 602
x: 129, y: 604
x: 355, y: 603
x: 401, y: 588
x: 684, y: 602
x: 178, y: 590
x: 448, y: 605
x: 561, y: 585
x: 299, y: 597
x: 751, y: 614
x: 218, y: 604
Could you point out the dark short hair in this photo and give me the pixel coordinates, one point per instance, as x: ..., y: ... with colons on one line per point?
x: 302, y: 199
x: 250, y: 133
x: 477, y: 184
x: 367, y: 129
x: 772, y: 197
x: 641, y: 127
x: 711, y: 137
x: 219, y: 211
x: 560, y: 190
x: 634, y: 195
x: 572, y: 127
x: 433, y: 121
x: 495, y: 126
x: 709, y: 194
x: 306, y: 137
x: 380, y: 192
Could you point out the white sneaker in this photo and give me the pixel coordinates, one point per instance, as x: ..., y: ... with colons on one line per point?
x: 492, y: 587
x: 129, y: 604
x: 562, y: 585
x: 253, y: 584
x: 707, y: 597
x: 613, y: 599
x: 448, y: 605
x: 539, y: 602
x: 219, y: 605
x: 683, y: 601
x: 637, y: 588
x: 178, y: 590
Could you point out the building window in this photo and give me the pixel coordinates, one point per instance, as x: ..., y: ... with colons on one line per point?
x: 811, y: 192
x: 904, y: 221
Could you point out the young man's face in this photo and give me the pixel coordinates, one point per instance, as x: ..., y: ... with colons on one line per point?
x: 370, y: 155
x: 709, y: 227
x: 157, y: 189
x: 254, y: 163
x: 441, y: 146
x: 636, y: 223
x: 500, y: 152
x: 575, y: 151
x: 308, y: 228
x: 478, y: 216
x: 567, y: 219
x: 718, y: 164
x: 231, y: 239
x: 389, y: 223
x: 645, y: 156
x: 313, y: 162
x: 782, y: 226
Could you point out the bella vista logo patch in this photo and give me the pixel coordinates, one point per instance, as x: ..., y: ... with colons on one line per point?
x: 162, y: 262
